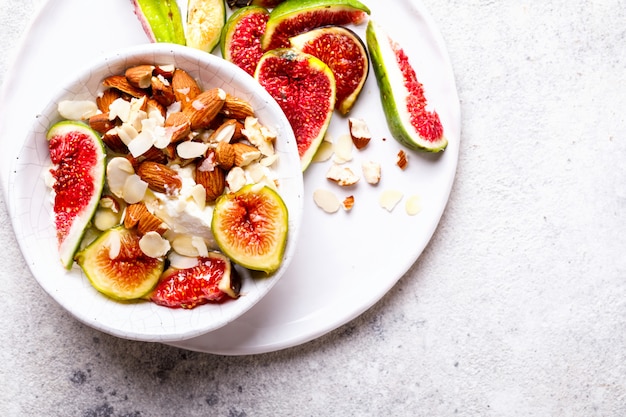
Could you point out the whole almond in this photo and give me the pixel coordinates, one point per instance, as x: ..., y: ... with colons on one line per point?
x: 212, y: 178
x: 237, y: 108
x: 162, y: 91
x: 178, y: 125
x: 140, y: 76
x: 106, y: 98
x: 205, y: 107
x: 138, y: 215
x: 245, y: 154
x: 225, y: 155
x: 186, y: 89
x: 100, y: 123
x: 160, y: 178
x: 120, y: 83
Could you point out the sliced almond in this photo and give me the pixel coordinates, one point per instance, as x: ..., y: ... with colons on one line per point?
x: 191, y: 150
x: 342, y: 148
x: 413, y: 205
x: 77, y: 109
x: 225, y: 132
x: 326, y: 200
x: 117, y: 172
x: 389, y: 199
x: 153, y: 245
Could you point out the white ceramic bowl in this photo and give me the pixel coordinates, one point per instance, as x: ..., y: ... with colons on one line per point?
x: 31, y: 203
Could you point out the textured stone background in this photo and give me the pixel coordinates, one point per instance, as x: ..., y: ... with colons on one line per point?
x: 516, y: 308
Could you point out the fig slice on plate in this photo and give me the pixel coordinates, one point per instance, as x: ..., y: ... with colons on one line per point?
x: 207, y: 279
x: 344, y: 53
x: 250, y: 226
x: 205, y: 21
x: 293, y: 17
x: 78, y: 172
x: 305, y: 89
x: 410, y: 120
x: 117, y: 267
x: 161, y: 20
x: 241, y: 37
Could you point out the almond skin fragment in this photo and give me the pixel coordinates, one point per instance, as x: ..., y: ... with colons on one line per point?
x: 402, y: 159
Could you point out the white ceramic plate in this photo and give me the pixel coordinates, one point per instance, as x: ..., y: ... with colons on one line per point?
x: 344, y: 262
x: 31, y: 205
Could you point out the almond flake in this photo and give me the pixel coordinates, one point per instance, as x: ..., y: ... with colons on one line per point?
x: 389, y: 199
x: 326, y: 200
x: 153, y: 245
x: 342, y: 148
x: 77, y: 109
x: 134, y: 189
x: 191, y: 150
x: 413, y: 205
x: 324, y: 152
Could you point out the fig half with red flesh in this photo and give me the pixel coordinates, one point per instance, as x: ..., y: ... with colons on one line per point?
x: 117, y: 267
x: 406, y: 108
x: 211, y: 280
x: 344, y: 53
x: 78, y: 158
x: 241, y: 37
x: 293, y: 17
x: 250, y: 227
x: 304, y: 88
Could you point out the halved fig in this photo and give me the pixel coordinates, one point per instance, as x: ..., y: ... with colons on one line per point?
x: 293, y: 17
x: 410, y: 120
x: 250, y: 226
x: 117, y: 267
x: 344, y: 53
x: 241, y: 37
x: 305, y: 89
x: 78, y: 172
x: 205, y: 21
x: 210, y: 278
x: 161, y: 20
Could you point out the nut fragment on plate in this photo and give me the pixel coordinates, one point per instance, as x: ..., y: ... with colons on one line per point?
x: 342, y: 148
x: 402, y: 159
x: 348, y: 203
x: 371, y: 172
x: 359, y: 132
x: 413, y: 205
x: 342, y: 175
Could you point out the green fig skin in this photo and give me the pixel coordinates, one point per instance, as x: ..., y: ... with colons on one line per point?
x: 288, y: 13
x: 402, y: 131
x: 161, y: 20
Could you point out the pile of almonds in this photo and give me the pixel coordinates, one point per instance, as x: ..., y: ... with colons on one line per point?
x: 156, y: 119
